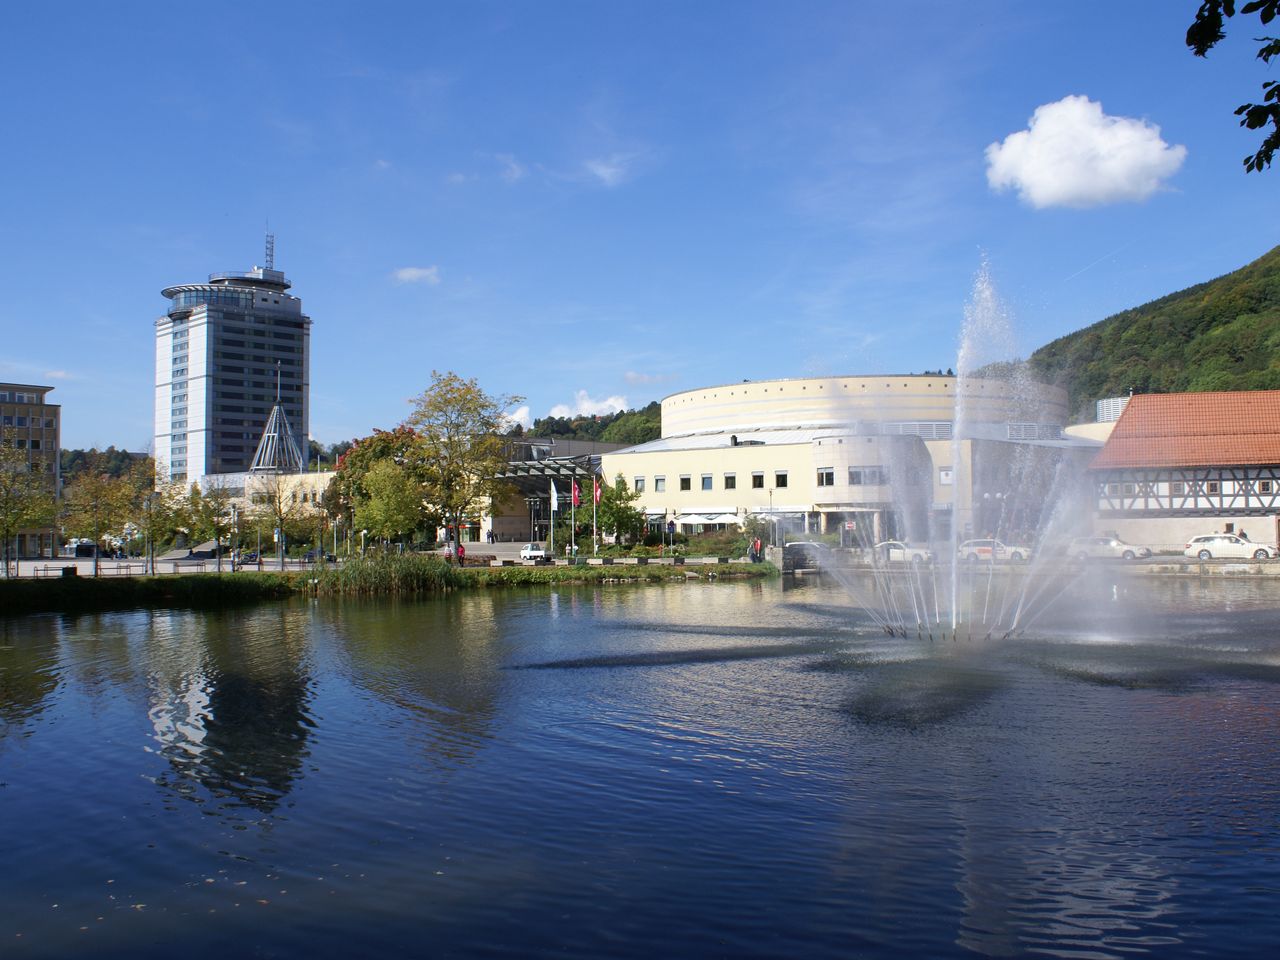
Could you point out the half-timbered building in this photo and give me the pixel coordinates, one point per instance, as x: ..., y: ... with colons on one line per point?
x: 1183, y: 464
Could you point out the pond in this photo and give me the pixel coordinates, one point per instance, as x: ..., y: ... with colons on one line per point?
x: 690, y: 770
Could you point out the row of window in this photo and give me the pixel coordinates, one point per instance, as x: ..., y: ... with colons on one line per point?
x: 18, y: 396
x: 1192, y: 488
x: 22, y: 443
x: 12, y: 420
x: 870, y: 476
x: 707, y: 481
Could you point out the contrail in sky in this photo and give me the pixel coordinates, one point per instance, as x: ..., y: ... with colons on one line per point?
x: 1098, y: 261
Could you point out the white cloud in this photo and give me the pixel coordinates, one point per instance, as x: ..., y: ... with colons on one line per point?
x: 640, y: 379
x: 512, y: 169
x: 613, y: 169
x: 521, y: 416
x: 1074, y: 155
x: 58, y: 375
x: 584, y: 406
x: 429, y: 275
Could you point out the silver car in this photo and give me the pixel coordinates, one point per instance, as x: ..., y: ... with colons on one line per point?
x: 895, y: 551
x: 1087, y: 548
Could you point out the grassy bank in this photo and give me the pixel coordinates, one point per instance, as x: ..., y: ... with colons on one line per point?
x: 409, y: 575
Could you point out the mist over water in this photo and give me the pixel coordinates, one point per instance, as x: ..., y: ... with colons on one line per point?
x: 690, y: 770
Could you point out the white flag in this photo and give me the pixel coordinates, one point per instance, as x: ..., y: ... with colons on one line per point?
x: 555, y: 500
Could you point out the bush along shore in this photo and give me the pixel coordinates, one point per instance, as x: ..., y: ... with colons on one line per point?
x: 407, y: 575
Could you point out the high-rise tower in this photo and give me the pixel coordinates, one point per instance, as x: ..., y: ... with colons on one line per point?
x: 218, y: 349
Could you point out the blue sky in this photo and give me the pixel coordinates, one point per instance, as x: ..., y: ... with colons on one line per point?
x: 590, y: 204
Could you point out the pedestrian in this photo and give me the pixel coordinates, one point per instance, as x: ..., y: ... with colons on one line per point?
x: 1243, y: 535
x: 462, y: 555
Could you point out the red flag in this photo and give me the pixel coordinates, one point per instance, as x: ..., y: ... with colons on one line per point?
x: 596, y: 483
x: 577, y: 494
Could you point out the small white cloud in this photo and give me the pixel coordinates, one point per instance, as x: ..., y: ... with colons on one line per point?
x: 613, y: 169
x: 634, y: 377
x: 1074, y: 155
x: 382, y: 164
x: 58, y: 375
x: 512, y: 169
x: 584, y: 406
x: 521, y: 416
x: 457, y: 178
x: 428, y: 275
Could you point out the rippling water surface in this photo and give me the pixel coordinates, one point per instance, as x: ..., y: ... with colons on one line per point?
x: 692, y: 770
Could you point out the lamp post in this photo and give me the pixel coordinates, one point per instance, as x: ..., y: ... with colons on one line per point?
x: 146, y: 537
x: 235, y: 534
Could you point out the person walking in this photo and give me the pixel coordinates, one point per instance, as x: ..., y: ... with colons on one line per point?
x: 462, y: 555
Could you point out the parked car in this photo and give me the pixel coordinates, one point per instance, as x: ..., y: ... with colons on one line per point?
x: 314, y: 555
x: 804, y: 554
x: 1087, y: 548
x: 1213, y: 546
x: 250, y: 557
x: 895, y: 551
x: 992, y: 550
x: 532, y: 551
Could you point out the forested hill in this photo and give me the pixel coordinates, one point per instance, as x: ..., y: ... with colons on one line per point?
x: 1220, y: 335
x: 625, y: 426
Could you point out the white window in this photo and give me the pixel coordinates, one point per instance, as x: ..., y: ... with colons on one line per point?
x: 706, y: 481
x: 639, y: 484
x: 659, y: 484
x: 946, y: 476
x: 826, y: 476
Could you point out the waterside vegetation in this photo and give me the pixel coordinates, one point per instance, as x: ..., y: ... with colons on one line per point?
x: 393, y: 575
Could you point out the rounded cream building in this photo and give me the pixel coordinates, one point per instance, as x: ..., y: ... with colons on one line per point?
x: 876, y: 456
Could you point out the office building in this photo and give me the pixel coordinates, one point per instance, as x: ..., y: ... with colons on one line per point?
x: 32, y: 424
x: 223, y: 350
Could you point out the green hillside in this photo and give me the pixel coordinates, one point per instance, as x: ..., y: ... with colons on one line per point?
x: 1220, y: 335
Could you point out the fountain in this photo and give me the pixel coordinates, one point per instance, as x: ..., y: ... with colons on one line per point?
x: 1022, y: 482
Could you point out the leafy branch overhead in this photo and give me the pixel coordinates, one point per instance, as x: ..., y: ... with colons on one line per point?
x: 1205, y: 33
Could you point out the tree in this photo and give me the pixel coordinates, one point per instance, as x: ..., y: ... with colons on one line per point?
x: 96, y: 503
x: 210, y: 515
x: 25, y: 498
x: 617, y: 513
x: 1204, y: 34
x: 275, y: 507
x: 347, y: 487
x: 392, y: 505
x: 460, y: 428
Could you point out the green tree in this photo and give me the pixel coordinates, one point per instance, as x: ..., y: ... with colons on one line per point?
x: 1204, y: 34
x: 96, y: 503
x: 25, y: 499
x: 460, y: 429
x: 392, y: 505
x: 347, y: 487
x: 275, y: 507
x: 617, y: 513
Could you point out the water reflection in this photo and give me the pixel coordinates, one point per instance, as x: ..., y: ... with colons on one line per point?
x: 229, y: 706
x: 436, y: 664
x: 28, y: 671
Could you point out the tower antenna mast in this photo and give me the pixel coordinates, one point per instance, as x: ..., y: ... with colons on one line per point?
x: 271, y: 251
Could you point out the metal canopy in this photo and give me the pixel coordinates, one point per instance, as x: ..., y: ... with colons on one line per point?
x: 533, y: 477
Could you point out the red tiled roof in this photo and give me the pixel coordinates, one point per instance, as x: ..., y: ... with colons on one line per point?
x: 1195, y: 430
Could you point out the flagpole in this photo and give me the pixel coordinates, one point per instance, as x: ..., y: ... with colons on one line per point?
x: 554, y: 504
x: 573, y: 522
x: 595, y: 500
